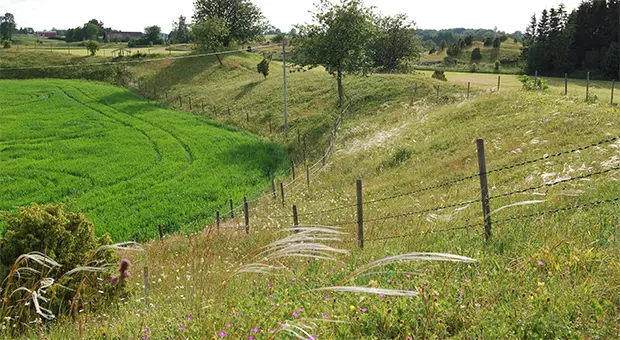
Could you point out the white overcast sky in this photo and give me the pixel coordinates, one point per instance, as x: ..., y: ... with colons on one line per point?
x: 134, y: 15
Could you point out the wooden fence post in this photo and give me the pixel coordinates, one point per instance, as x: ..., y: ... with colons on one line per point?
x: 588, y: 86
x: 468, y: 88
x: 438, y: 93
x: 232, y: 211
x: 282, y: 192
x: 293, y: 168
x: 308, y: 175
x: 190, y: 103
x: 270, y: 129
x: 295, y: 219
x: 613, y: 85
x: 161, y: 233
x: 247, y: 117
x: 305, y: 159
x: 246, y: 209
x: 273, y: 186
x: 499, y: 82
x: 180, y: 101
x: 484, y: 189
x: 217, y: 219
x: 360, y: 215
x: 566, y: 84
x: 146, y: 287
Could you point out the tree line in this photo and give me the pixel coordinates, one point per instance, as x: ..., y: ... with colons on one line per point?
x: 558, y: 42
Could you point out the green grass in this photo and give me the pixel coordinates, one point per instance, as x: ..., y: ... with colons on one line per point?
x: 127, y: 163
x: 551, y: 276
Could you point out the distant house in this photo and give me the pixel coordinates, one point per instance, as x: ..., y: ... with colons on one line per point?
x: 124, y: 36
x: 46, y: 34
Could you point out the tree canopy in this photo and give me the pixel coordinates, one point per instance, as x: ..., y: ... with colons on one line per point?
x: 210, y: 34
x: 243, y: 20
x: 394, y: 42
x: 7, y: 26
x: 180, y: 33
x: 559, y: 42
x: 338, y: 39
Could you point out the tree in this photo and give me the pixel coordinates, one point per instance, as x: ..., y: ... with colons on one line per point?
x: 210, y: 34
x: 91, y: 31
x: 7, y: 26
x: 92, y: 46
x: 152, y: 35
x: 393, y: 42
x: 180, y: 33
x: 263, y: 67
x: 488, y: 41
x: 338, y: 40
x: 243, y: 20
x: 443, y: 45
x: 475, y: 54
x: 497, y: 42
x: 278, y: 38
x: 469, y: 40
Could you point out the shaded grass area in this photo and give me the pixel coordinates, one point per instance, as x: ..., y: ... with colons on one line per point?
x: 128, y: 163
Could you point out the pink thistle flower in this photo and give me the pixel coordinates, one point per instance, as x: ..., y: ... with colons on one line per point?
x: 222, y: 334
x: 250, y: 337
x: 541, y: 263
x: 114, y: 280
x: 462, y: 293
x: 300, y: 309
x: 381, y: 295
x: 408, y: 275
x: 364, y: 310
x: 326, y: 297
x: 465, y: 279
x: 181, y: 328
x: 341, y: 265
x: 389, y: 280
x: 145, y: 336
x: 272, y: 331
x: 295, y: 314
x: 326, y: 316
x: 228, y: 325
x: 255, y: 329
x: 189, y: 317
x: 331, y: 271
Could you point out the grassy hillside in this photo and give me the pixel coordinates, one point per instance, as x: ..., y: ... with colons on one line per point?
x: 549, y: 275
x: 129, y: 164
x: 508, y: 54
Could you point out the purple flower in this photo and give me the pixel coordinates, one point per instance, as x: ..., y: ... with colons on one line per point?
x: 251, y: 337
x: 364, y: 310
x: 465, y: 279
x: 381, y: 295
x: 222, y: 334
x: 462, y: 293
x: 145, y: 336
x: 189, y: 317
x: 114, y: 280
x: 145, y: 329
x: 341, y: 265
x: 181, y: 328
x: 228, y: 325
x: 312, y: 337
x: 295, y: 314
x: 124, y: 268
x: 255, y: 329
x: 541, y: 263
x: 326, y: 297
x: 271, y: 296
x: 331, y: 271
x: 408, y: 275
x: 269, y: 285
x: 279, y: 323
x: 389, y: 280
x: 300, y: 309
x: 272, y: 330
x: 326, y: 316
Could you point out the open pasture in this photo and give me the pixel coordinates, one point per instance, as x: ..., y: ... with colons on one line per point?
x: 127, y: 163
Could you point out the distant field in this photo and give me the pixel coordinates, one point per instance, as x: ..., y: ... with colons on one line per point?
x: 128, y: 163
x: 576, y: 87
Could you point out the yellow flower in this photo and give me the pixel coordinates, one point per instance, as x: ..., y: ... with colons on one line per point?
x: 352, y: 308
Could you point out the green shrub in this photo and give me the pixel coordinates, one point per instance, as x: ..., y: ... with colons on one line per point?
x: 497, y: 66
x: 439, y: 75
x: 399, y: 156
x: 263, y: 68
x: 7, y: 44
x: 529, y: 85
x: 92, y: 46
x: 63, y: 241
x: 473, y: 68
x: 476, y: 54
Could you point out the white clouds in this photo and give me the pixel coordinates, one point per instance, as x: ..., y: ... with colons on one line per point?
x: 134, y: 15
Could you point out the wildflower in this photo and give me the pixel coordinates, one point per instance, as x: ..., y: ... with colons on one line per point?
x: 382, y: 295
x: 408, y: 275
x: 124, y: 268
x: 341, y: 265
x: 271, y: 296
x: 228, y: 325
x: 295, y: 314
x: 251, y: 337
x: 222, y: 334
x: 312, y: 337
x: 352, y: 308
x: 114, y: 280
x: 190, y: 318
x: 181, y: 328
x: 300, y: 309
x: 465, y: 279
x: 145, y: 329
x: 255, y: 329
x: 541, y: 263
x: 326, y: 316
x: 462, y: 293
x: 331, y: 271
x: 364, y: 310
x: 272, y: 331
x: 269, y: 285
x: 145, y: 336
x: 326, y: 297
x: 389, y: 280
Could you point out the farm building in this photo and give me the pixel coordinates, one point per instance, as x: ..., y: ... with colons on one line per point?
x: 46, y: 34
x: 124, y: 36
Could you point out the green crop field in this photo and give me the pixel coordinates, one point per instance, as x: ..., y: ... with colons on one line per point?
x: 127, y: 163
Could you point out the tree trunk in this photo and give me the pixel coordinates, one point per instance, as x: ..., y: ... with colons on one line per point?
x: 218, y: 57
x: 340, y: 89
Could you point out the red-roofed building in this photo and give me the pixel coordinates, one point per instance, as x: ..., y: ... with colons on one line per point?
x: 46, y: 34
